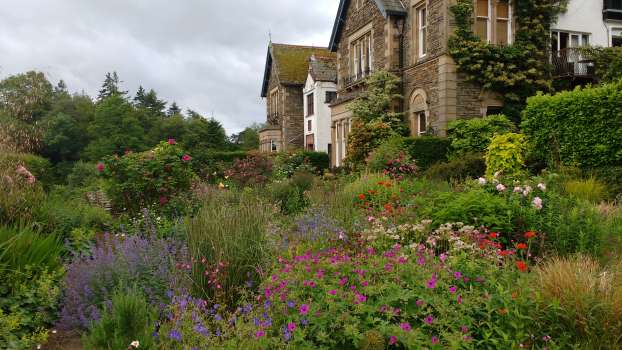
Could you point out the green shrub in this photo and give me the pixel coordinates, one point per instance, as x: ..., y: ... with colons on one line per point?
x: 207, y: 162
x: 608, y: 61
x: 287, y: 164
x: 130, y: 319
x: 579, y: 127
x: 389, y: 150
x: 19, y: 199
x: 159, y: 179
x: 82, y: 174
x: 473, y: 207
x: 468, y: 165
x: 590, y: 190
x: 612, y: 176
x: 427, y: 150
x: 254, y: 170
x: 505, y: 155
x: 474, y: 135
x: 290, y: 194
x: 40, y: 167
x: 229, y: 234
x: 28, y: 306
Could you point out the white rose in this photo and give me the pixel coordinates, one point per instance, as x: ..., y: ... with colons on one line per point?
x: 501, y: 188
x: 482, y: 181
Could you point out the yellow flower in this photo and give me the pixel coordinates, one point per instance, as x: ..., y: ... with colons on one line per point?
x: 221, y: 185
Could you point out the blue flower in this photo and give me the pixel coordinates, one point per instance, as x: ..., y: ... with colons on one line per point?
x: 175, y: 335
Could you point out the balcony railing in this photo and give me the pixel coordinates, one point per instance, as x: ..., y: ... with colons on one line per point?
x: 572, y: 62
x: 354, y: 79
x: 612, y: 10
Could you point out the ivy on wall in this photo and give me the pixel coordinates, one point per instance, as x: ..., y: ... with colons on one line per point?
x: 515, y: 71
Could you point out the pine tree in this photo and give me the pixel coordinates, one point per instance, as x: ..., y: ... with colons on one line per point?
x: 173, y: 110
x: 61, y: 88
x: 110, y: 87
x: 139, y: 100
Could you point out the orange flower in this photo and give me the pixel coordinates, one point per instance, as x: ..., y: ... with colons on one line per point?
x: 493, y: 235
x: 521, y: 266
x: 530, y: 234
x: 503, y: 311
x: 521, y: 246
x: 362, y: 197
x: 388, y: 207
x: 371, y: 192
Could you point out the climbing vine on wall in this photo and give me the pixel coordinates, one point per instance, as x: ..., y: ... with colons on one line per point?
x: 515, y: 71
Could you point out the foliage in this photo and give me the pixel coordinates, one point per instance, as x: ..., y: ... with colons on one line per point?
x: 28, y: 304
x: 286, y: 164
x: 608, y: 61
x: 515, y: 71
x: 22, y: 248
x: 25, y: 96
x: 387, y: 151
x: 158, y: 179
x: 38, y: 166
x: 469, y: 165
x: 583, y: 301
x: 202, y: 133
x: 247, y: 139
x: 577, y: 128
x: 338, y: 298
x: 290, y: 194
x: 228, y: 245
x: 374, y: 121
x: 253, y: 170
x: 20, y: 193
x: 506, y: 155
x: 427, y: 150
x: 474, y: 135
x: 82, y: 175
x: 612, y: 177
x: 117, y: 262
x: 130, y: 318
x: 211, y: 164
x: 590, y: 189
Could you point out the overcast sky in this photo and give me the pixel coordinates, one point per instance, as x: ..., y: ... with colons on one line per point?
x: 207, y: 55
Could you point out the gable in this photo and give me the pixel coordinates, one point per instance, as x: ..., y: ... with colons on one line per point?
x: 290, y: 62
x: 386, y: 7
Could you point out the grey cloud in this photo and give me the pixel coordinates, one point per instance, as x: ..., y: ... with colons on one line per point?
x: 204, y: 54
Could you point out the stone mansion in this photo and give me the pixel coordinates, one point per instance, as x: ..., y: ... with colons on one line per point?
x: 308, y: 90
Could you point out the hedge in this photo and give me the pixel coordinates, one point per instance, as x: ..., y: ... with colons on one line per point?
x: 427, y: 150
x: 208, y: 161
x: 580, y: 128
x: 474, y: 135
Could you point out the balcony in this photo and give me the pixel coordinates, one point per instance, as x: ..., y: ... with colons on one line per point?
x: 572, y: 63
x: 612, y: 10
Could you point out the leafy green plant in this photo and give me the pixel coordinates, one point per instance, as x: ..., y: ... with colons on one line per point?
x: 159, y: 179
x: 129, y: 319
x: 505, y: 155
x: 23, y: 247
x: 287, y: 164
x: 228, y: 241
x: 555, y: 126
x: 608, y: 61
x: 290, y: 194
x: 474, y: 135
x: 427, y: 150
x: 387, y: 151
x: 254, y: 170
x: 470, y: 165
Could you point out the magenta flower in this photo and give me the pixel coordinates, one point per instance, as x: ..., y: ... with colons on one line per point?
x: 453, y: 289
x: 434, y: 340
x: 405, y: 326
x: 259, y: 334
x: 464, y: 329
x: 101, y: 167
x: 291, y: 326
x: 171, y: 141
x: 304, y: 309
x: 443, y: 257
x: 360, y: 298
x: 457, y: 275
x: 459, y: 299
x: 429, y: 320
x: 332, y: 292
x: 420, y: 302
x: 186, y: 158
x: 392, y: 340
x: 432, y: 282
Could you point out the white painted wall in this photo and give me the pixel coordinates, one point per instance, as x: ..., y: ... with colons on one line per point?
x: 586, y: 17
x: 321, y: 120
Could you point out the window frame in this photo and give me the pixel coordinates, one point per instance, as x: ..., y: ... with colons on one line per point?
x: 488, y: 19
x: 310, y: 102
x: 421, y: 114
x: 508, y: 22
x: 422, y: 30
x: 309, y: 125
x: 362, y: 54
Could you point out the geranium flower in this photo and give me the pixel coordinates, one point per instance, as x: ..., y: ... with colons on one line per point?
x: 392, y: 340
x: 521, y: 266
x: 453, y: 289
x: 459, y: 299
x: 457, y: 275
x: 332, y: 292
x: 432, y: 282
x: 362, y: 197
x: 163, y: 200
x: 428, y: 320
x: 291, y: 326
x: 171, y: 141
x: 304, y: 309
x: 435, y: 340
x: 405, y: 326
x: 259, y: 334
x: 186, y: 158
x: 419, y: 302
x: 464, y: 329
x: 521, y: 246
x: 101, y: 167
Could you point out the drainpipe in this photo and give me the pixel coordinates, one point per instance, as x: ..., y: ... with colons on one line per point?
x: 401, y: 26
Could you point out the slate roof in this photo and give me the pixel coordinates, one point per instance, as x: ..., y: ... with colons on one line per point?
x: 323, y: 68
x: 291, y: 63
x: 386, y: 7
